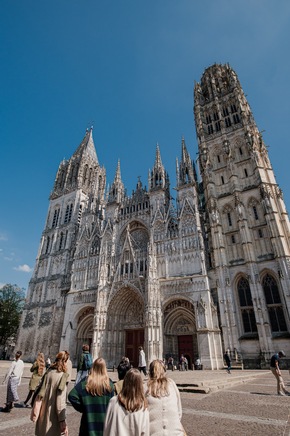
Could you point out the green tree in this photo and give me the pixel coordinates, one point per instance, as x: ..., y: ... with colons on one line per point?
x: 12, y: 299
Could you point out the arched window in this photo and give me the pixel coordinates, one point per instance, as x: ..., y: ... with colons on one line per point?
x: 47, y: 245
x: 55, y: 217
x: 61, y: 240
x: 274, y: 305
x: 68, y: 213
x: 246, y: 305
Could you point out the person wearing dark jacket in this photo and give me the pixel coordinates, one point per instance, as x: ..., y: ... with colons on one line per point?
x: 84, y: 364
x: 275, y: 368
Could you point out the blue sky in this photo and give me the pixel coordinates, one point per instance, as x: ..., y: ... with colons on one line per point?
x: 128, y: 68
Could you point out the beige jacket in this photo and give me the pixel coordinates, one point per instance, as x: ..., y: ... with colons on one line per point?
x: 53, y: 408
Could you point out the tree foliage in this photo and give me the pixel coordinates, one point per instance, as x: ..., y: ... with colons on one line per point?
x: 12, y: 299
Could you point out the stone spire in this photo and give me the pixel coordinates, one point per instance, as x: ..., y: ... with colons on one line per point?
x: 158, y: 178
x: 116, y: 191
x: 186, y: 173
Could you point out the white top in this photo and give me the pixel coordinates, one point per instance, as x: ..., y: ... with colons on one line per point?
x: 120, y: 422
x: 15, y: 370
x: 142, y: 360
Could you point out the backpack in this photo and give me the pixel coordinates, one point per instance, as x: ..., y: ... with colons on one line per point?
x: 87, y: 362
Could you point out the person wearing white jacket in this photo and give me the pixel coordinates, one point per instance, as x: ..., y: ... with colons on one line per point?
x: 13, y: 379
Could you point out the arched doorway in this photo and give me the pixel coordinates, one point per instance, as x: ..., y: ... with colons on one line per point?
x: 180, y: 331
x: 125, y: 326
x: 84, y: 330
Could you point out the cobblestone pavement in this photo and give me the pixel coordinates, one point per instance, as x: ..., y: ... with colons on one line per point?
x: 238, y: 405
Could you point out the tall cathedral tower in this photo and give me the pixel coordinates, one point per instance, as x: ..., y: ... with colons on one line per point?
x: 246, y: 222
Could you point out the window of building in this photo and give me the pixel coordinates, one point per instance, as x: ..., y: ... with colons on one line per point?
x: 225, y: 111
x: 218, y: 159
x: 47, y: 245
x: 233, y: 108
x: 229, y: 219
x: 61, y: 240
x: 223, y: 180
x: 55, y: 217
x: 274, y: 305
x: 241, y: 151
x: 236, y: 118
x: 260, y: 233
x: 208, y: 119
x: 210, y: 129
x: 246, y: 305
x: 246, y: 172
x: 68, y: 213
x: 80, y: 213
x: 233, y: 239
x: 255, y: 213
x: 217, y: 126
x: 228, y: 122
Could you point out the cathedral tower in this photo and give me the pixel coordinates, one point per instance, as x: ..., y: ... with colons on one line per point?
x: 245, y: 219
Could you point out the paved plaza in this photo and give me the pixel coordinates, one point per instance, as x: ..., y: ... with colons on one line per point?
x: 214, y: 403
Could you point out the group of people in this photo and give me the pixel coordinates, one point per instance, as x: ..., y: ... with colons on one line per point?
x: 132, y: 406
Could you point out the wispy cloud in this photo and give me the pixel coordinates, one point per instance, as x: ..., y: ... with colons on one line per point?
x: 3, y: 237
x: 8, y: 258
x: 23, y: 268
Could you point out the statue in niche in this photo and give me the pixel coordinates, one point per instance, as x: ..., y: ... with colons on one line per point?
x: 201, y: 313
x: 215, y: 216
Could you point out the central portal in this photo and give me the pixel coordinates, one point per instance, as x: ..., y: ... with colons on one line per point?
x: 134, y: 338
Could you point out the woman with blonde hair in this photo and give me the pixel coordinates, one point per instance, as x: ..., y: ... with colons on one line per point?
x: 37, y: 369
x: 127, y: 413
x: 91, y: 397
x: 163, y: 402
x: 52, y: 415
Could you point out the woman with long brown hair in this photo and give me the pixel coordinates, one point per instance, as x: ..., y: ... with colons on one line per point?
x: 127, y: 413
x: 91, y: 397
x: 52, y: 416
x: 163, y: 402
x: 37, y: 369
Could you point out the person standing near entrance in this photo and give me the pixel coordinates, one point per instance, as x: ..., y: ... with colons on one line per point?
x: 13, y: 379
x: 228, y: 362
x: 85, y: 364
x: 142, y: 361
x: 275, y: 368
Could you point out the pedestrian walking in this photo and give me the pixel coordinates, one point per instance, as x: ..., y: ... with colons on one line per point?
x: 127, y: 412
x: 228, y: 362
x: 164, y: 402
x: 170, y: 363
x: 275, y: 368
x: 68, y: 370
x: 13, y: 379
x: 52, y: 415
x: 85, y: 363
x: 37, y: 369
x: 142, y: 361
x: 91, y: 397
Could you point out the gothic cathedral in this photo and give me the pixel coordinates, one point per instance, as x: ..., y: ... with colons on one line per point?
x: 208, y: 274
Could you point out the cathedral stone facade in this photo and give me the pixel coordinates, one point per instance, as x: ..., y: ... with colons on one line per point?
x: 207, y: 274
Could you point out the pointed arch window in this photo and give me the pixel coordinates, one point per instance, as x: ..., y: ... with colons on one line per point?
x: 68, y: 213
x: 246, y: 306
x: 274, y: 304
x: 61, y: 241
x: 55, y: 218
x: 47, y: 245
